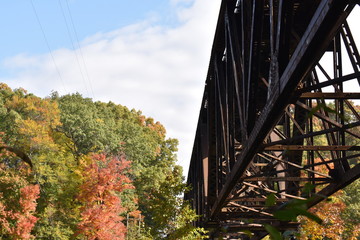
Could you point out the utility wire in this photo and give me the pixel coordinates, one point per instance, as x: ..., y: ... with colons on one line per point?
x: 80, y: 49
x: 73, y: 46
x: 48, y: 46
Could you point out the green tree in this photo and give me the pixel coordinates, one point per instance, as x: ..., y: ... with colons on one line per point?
x: 172, y: 217
x: 28, y: 125
x: 109, y: 127
x: 59, y: 133
x: 351, y: 214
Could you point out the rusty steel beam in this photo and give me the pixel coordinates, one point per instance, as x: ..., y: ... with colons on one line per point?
x: 313, y: 134
x: 246, y: 199
x: 321, y: 95
x: 265, y: 109
x: 264, y: 179
x: 278, y: 147
x: 311, y: 148
x: 318, y: 36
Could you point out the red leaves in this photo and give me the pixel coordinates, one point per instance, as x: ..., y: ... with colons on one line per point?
x: 105, y: 179
x: 29, y: 194
x: 19, y: 223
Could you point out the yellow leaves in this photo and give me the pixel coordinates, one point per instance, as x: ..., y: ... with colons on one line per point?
x: 37, y: 118
x: 41, y: 110
x: 85, y: 160
x: 99, y: 120
x: 36, y: 135
x: 4, y: 86
x: 333, y: 225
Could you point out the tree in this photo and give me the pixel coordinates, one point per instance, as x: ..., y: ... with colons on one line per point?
x: 17, y: 201
x: 97, y: 126
x: 28, y: 124
x: 104, y: 179
x: 61, y: 135
x: 351, y: 214
x: 333, y: 225
x: 172, y: 217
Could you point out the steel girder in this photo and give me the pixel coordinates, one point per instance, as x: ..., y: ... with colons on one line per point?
x: 274, y: 116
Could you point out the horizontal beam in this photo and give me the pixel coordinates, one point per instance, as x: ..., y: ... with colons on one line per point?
x: 247, y: 199
x: 307, y: 148
x: 311, y: 148
x: 244, y: 215
x: 273, y: 191
x: 330, y: 82
x: 294, y: 165
x: 320, y: 95
x: 236, y: 205
x: 257, y: 227
x: 285, y: 179
x: 313, y: 134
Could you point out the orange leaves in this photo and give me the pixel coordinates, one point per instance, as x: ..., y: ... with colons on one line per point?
x: 25, y: 219
x: 105, y: 179
x: 40, y: 110
x: 29, y: 194
x: 18, y: 223
x: 157, y: 127
x: 333, y: 225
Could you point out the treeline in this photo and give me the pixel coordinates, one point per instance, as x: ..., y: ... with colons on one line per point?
x: 99, y: 171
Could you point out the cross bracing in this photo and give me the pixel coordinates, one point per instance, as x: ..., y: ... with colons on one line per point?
x: 279, y: 111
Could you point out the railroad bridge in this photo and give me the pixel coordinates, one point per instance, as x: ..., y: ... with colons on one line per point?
x: 278, y: 113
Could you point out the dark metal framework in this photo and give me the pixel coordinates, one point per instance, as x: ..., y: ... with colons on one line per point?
x: 274, y: 116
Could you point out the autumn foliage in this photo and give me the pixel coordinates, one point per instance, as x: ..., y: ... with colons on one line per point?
x: 17, y: 205
x: 81, y: 185
x: 333, y: 225
x: 104, y: 180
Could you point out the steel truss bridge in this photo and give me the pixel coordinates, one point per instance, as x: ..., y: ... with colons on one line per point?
x: 278, y: 111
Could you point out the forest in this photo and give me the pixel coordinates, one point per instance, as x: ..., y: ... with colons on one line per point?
x: 72, y: 168
x: 97, y: 171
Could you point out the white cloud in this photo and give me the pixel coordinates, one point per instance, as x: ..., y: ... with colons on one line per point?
x: 146, y: 66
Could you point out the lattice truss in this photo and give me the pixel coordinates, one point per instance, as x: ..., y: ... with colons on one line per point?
x: 280, y: 110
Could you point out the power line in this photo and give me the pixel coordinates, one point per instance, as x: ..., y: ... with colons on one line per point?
x: 47, y: 44
x: 80, y: 49
x: 73, y: 46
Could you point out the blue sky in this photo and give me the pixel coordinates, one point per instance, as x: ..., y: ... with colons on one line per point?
x: 19, y: 22
x: 148, y: 55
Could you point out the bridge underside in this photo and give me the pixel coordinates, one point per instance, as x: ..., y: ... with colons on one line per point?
x: 278, y: 112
